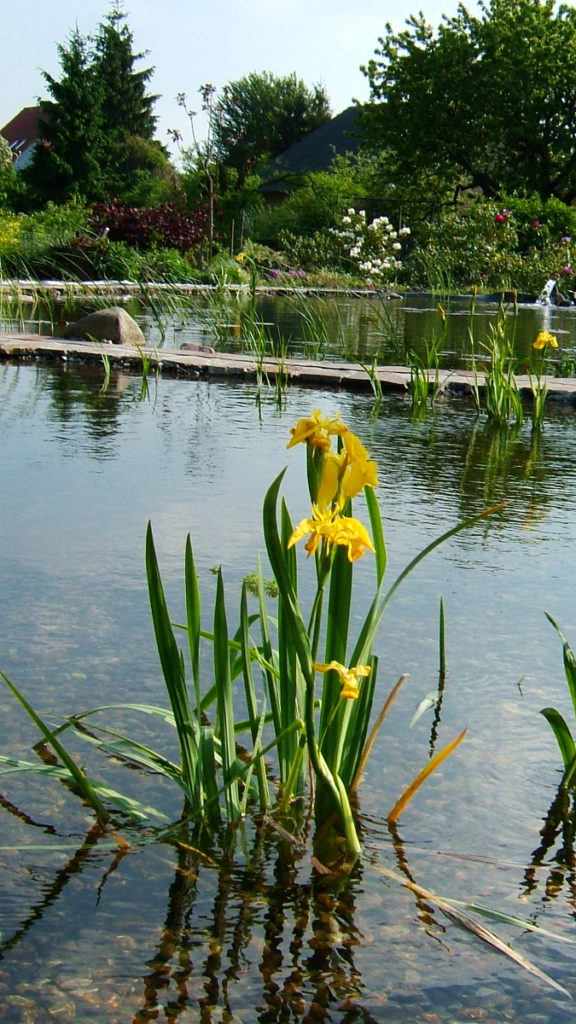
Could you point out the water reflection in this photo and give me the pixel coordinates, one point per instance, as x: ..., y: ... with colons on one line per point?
x: 552, y: 867
x: 247, y: 931
x: 262, y: 907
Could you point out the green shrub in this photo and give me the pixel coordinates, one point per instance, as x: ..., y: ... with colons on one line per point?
x: 470, y: 247
x: 494, y: 247
x: 167, y: 265
x: 319, y: 250
x: 52, y: 226
x: 9, y: 235
x: 315, y: 202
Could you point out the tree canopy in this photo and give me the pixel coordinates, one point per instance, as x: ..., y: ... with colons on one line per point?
x: 483, y: 102
x: 96, y: 133
x: 258, y: 117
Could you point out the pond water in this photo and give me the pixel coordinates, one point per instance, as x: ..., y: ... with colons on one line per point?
x: 93, y: 932
x: 323, y: 326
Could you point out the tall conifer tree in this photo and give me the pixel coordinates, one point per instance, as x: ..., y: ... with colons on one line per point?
x: 126, y: 107
x: 67, y: 158
x: 97, y: 130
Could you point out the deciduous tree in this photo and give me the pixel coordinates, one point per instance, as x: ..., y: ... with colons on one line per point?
x: 258, y: 117
x: 486, y: 102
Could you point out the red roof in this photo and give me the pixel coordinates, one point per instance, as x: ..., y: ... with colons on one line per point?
x: 22, y: 131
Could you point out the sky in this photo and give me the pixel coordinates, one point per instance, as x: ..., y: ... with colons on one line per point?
x: 192, y: 42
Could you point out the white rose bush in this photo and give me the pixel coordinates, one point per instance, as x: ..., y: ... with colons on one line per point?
x: 374, y: 248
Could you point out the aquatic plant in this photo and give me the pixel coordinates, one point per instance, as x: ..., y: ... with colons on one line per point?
x: 320, y: 323
x: 371, y: 372
x: 502, y: 400
x: 556, y: 720
x: 538, y: 386
x: 324, y: 727
x: 424, y: 370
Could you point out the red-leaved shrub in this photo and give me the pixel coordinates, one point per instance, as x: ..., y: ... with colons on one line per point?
x: 168, y: 226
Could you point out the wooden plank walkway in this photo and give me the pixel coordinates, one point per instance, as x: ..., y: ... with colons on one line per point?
x: 207, y: 365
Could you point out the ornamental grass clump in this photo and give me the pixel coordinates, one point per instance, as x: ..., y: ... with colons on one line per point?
x: 503, y: 401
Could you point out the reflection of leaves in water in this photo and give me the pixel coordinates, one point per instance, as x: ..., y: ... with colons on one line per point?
x: 266, y: 888
x: 62, y: 876
x: 247, y: 923
x: 90, y: 397
x: 559, y: 824
x: 308, y: 935
x: 26, y: 818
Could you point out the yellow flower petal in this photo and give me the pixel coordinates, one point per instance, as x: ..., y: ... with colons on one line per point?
x: 351, y: 533
x: 326, y: 525
x: 316, y: 430
x: 318, y: 526
x: 349, y: 677
x: 306, y: 526
x: 545, y: 338
x: 360, y: 471
x: 332, y: 469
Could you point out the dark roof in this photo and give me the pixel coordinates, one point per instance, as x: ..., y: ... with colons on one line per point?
x: 315, y: 151
x: 22, y: 132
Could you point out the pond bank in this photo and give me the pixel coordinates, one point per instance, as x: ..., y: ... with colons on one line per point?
x: 124, y: 291
x: 204, y: 365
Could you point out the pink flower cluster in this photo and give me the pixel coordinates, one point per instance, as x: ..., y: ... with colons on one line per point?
x: 275, y: 272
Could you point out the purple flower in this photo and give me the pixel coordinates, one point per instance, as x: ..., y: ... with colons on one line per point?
x: 567, y: 270
x: 566, y: 239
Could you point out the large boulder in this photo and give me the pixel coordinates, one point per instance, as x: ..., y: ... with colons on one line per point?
x: 113, y: 325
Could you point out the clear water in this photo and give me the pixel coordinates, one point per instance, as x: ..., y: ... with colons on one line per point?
x: 93, y: 933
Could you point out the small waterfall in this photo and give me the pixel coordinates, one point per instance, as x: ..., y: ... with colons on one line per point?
x: 547, y: 293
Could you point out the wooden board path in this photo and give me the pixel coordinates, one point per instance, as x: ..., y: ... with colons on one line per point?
x: 202, y: 365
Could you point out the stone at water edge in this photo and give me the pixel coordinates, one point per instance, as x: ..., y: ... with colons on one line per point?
x: 191, y: 346
x: 113, y: 324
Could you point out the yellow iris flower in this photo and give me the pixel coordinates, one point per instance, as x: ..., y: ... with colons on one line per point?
x: 327, y: 526
x: 333, y: 467
x: 360, y: 471
x: 349, y: 677
x: 316, y: 430
x: 345, y: 474
x: 545, y: 338
x: 349, y: 532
